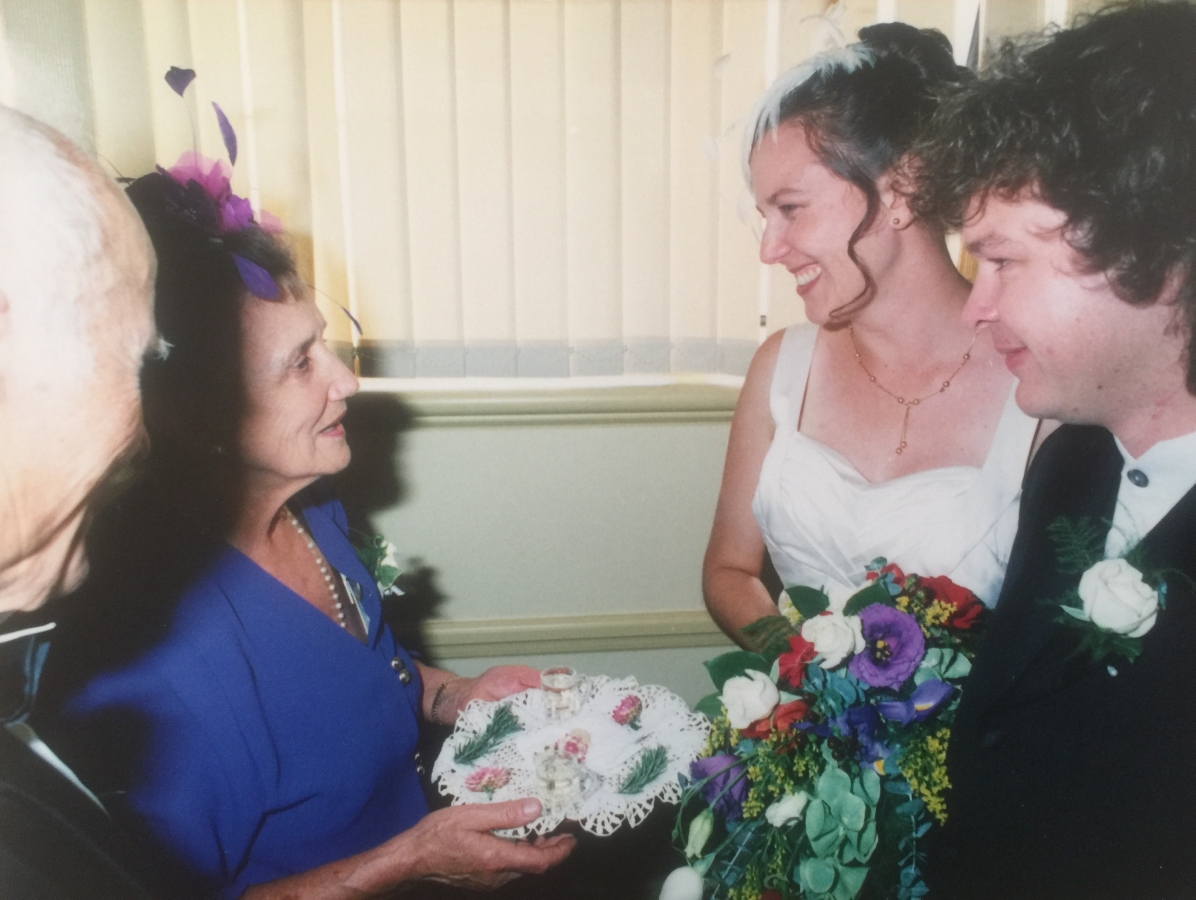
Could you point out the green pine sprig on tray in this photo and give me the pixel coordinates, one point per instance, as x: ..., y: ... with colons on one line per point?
x: 502, y: 725
x: 647, y: 769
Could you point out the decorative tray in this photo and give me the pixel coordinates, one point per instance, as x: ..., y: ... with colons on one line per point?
x: 601, y: 757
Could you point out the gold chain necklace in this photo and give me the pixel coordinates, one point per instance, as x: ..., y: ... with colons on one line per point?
x: 908, y: 404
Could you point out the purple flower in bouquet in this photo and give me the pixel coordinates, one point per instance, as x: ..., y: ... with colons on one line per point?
x: 926, y: 698
x: 893, y: 647
x: 727, y: 778
x: 863, y: 722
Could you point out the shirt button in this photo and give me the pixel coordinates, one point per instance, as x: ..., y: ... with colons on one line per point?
x: 397, y: 664
x: 405, y: 677
x: 1137, y: 478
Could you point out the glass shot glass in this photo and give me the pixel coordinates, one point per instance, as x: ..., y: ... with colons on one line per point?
x: 560, y: 779
x: 561, y: 686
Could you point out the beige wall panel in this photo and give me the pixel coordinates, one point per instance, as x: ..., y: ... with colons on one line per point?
x: 484, y: 170
x: 1010, y: 18
x: 124, y: 131
x: 168, y: 43
x: 538, y: 177
x: 693, y: 183
x: 592, y: 163
x: 430, y: 147
x: 644, y: 139
x: 216, y: 58
x: 799, y: 27
x: 558, y: 519
x: 742, y: 80
x: 279, y: 81
x: 327, y: 213
x: 857, y: 15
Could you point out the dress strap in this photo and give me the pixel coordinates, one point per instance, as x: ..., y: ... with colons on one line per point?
x: 790, y: 376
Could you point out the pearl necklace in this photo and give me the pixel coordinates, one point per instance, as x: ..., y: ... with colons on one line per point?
x: 908, y: 404
x: 325, y: 569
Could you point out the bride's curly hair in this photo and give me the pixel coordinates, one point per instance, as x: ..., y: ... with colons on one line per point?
x: 863, y: 108
x: 1098, y: 121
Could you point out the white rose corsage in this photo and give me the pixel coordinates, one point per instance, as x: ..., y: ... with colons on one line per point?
x: 1116, y: 601
x: 378, y: 556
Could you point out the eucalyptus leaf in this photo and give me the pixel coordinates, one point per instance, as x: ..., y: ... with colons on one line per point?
x: 851, y: 812
x: 832, y: 784
x: 960, y: 667
x: 817, y: 877
x: 871, y: 784
x: 868, y: 841
x: 733, y: 664
x: 850, y: 881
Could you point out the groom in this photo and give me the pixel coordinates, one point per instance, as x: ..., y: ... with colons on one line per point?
x: 1073, y: 174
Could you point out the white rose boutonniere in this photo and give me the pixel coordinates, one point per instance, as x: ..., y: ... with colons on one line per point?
x: 1117, y: 599
x: 377, y: 554
x: 749, y: 697
x: 834, y: 636
x: 1115, y: 603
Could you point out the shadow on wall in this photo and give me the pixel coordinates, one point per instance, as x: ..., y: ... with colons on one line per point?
x: 375, y: 425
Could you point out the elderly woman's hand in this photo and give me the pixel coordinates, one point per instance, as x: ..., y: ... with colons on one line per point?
x: 447, y: 694
x: 453, y: 845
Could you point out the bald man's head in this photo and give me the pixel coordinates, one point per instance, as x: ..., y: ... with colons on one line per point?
x: 75, y: 319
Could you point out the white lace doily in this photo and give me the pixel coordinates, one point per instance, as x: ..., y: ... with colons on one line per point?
x: 610, y: 754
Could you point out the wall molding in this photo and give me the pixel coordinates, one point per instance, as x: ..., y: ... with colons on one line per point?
x: 465, y: 639
x: 465, y: 402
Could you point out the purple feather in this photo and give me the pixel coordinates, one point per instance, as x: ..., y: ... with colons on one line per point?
x: 179, y: 79
x: 256, y: 279
x: 226, y: 132
x: 353, y: 319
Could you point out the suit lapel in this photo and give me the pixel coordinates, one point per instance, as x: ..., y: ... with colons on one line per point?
x: 1076, y: 475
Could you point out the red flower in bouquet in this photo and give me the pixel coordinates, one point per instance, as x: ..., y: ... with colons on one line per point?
x: 793, y: 664
x: 888, y: 569
x: 967, y: 605
x: 781, y: 719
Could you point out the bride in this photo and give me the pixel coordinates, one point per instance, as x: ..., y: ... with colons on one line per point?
x: 885, y: 426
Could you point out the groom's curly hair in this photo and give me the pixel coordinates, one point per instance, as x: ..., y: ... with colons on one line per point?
x: 1098, y: 121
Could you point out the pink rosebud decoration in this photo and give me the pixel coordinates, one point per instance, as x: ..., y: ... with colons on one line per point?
x: 628, y: 711
x: 575, y: 744
x: 488, y: 779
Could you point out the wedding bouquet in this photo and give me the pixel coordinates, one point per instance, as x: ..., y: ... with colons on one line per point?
x: 826, y: 764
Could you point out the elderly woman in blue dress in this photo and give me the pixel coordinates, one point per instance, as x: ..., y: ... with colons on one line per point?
x: 276, y: 714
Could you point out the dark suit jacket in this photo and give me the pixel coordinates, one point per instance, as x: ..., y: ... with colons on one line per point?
x: 55, y: 843
x: 1072, y: 778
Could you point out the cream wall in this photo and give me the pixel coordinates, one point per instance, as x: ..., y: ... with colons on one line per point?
x: 562, y: 530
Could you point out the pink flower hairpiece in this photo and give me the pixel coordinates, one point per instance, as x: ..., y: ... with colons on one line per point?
x: 229, y: 213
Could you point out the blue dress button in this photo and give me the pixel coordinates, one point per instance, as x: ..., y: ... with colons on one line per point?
x: 1137, y: 478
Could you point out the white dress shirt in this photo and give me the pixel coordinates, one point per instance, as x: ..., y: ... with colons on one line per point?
x: 1150, y: 486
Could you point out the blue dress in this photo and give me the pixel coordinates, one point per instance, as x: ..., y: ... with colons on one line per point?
x: 275, y: 741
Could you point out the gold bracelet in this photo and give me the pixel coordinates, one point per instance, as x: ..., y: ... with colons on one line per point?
x: 438, y: 696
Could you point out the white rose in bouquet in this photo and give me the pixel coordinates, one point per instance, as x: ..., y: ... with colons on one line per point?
x: 1117, y: 599
x: 789, y: 807
x: 834, y: 636
x: 749, y: 697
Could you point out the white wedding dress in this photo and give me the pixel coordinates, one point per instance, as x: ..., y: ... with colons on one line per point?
x: 823, y: 522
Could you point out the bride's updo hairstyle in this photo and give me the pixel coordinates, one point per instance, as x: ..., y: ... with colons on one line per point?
x: 862, y: 108
x: 193, y: 396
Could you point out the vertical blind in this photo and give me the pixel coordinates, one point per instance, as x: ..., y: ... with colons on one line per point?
x: 492, y: 187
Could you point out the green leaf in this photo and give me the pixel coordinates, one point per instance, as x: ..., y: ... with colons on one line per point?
x: 735, y: 663
x: 851, y: 812
x: 808, y: 601
x: 647, y: 769
x: 868, y: 841
x: 832, y: 784
x: 1078, y: 543
x: 501, y: 725
x: 873, y: 593
x: 769, y: 635
x: 817, y: 877
x: 959, y: 668
x: 711, y: 706
x: 871, y: 784
x: 850, y: 881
